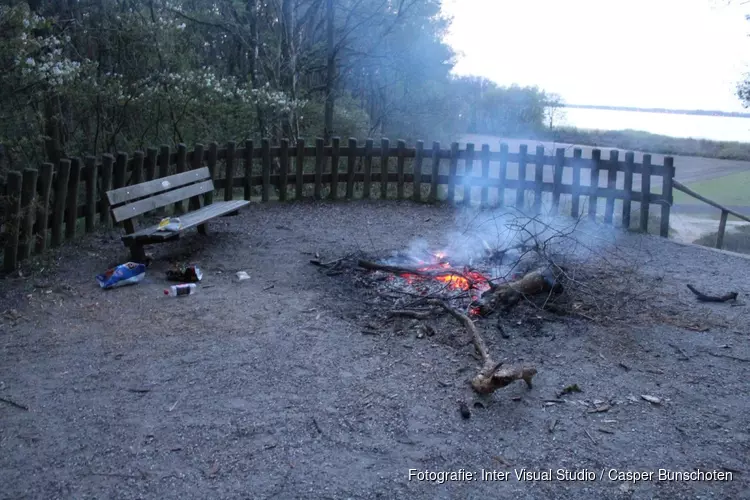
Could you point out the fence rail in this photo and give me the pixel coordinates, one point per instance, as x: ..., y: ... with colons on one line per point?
x: 54, y: 203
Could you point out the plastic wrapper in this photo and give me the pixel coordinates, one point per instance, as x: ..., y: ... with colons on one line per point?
x: 129, y: 273
x: 170, y: 224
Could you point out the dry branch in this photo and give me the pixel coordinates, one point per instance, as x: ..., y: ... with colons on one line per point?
x: 492, y: 376
x: 702, y: 297
x: 509, y: 294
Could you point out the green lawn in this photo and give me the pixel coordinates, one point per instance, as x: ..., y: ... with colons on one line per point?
x: 733, y: 189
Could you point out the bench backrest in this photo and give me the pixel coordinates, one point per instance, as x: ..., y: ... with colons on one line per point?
x: 132, y: 201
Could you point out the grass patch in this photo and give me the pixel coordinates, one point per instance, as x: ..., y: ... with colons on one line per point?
x: 734, y: 241
x: 636, y: 140
x: 732, y: 189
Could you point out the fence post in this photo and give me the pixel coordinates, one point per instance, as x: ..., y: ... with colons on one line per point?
x: 417, y: 171
x: 538, y: 178
x: 265, y: 145
x: 722, y: 228
x: 152, y: 155
x: 247, y: 187
x: 385, y: 146
x: 433, y: 196
x: 90, y: 177
x: 179, y: 206
x: 107, y: 162
x: 299, y: 184
x: 42, y: 218
x: 368, y: 169
x: 557, y: 178
x: 523, y: 151
x: 609, y: 209
x: 484, y: 196
x: 13, y: 212
x: 645, y: 191
x: 335, y: 155
x: 575, y: 205
x: 164, y: 157
x: 401, y: 144
x: 666, y: 192
x: 628, y: 188
x: 351, y: 163
x: 61, y: 195
x: 284, y: 172
x: 502, y: 174
x: 197, y: 161
x: 596, y: 158
x: 452, y: 173
x: 468, y: 172
x: 213, y: 156
x: 319, y: 163
x: 28, y: 197
x: 71, y: 213
x: 138, y: 161
x: 229, y: 171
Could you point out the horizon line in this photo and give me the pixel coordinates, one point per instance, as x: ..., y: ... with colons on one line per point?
x: 701, y: 112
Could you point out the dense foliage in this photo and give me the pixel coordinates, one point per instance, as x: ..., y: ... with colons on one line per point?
x: 89, y: 76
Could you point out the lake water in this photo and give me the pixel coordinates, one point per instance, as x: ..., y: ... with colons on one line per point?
x: 718, y: 128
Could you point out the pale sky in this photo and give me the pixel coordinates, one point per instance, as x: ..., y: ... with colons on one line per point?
x: 685, y: 54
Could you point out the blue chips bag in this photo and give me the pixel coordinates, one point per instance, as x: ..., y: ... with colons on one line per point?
x: 129, y: 273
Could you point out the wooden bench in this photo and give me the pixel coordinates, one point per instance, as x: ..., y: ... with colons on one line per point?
x: 129, y: 202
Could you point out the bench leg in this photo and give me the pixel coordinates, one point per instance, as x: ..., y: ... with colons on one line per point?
x: 138, y: 254
x: 203, y: 229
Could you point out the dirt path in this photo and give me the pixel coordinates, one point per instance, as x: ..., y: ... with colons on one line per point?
x: 267, y: 388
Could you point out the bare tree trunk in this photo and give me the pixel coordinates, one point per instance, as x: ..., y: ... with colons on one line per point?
x: 253, y: 11
x: 330, y: 73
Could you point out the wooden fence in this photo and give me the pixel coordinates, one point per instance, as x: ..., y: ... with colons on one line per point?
x: 54, y: 203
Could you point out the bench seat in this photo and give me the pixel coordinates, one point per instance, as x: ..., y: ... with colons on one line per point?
x: 188, y: 220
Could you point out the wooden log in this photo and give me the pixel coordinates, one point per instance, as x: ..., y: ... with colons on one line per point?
x: 229, y: 171
x: 12, y: 220
x: 107, y: 172
x: 351, y: 162
x: 384, y: 151
x: 42, y: 218
x: 596, y: 157
x: 485, y: 191
x: 628, y: 188
x: 368, y: 169
x: 181, y: 166
x: 319, y: 165
x: 575, y: 207
x: 284, y: 173
x: 91, y: 194
x: 468, y: 173
x: 164, y: 157
x: 645, y: 191
x: 152, y: 158
x: 213, y: 158
x: 401, y: 271
x: 335, y: 156
x: 28, y: 211
x: 452, y: 173
x: 61, y: 195
x: 417, y: 168
x: 300, y: 163
x: 722, y: 229
x: 401, y: 146
x: 138, y: 163
x: 609, y: 209
x: 247, y: 181
x: 523, y: 150
x: 666, y: 192
x: 265, y: 169
x: 433, y: 196
x: 507, y: 295
x: 71, y: 212
x: 502, y: 175
x: 538, y: 178
x: 557, y: 179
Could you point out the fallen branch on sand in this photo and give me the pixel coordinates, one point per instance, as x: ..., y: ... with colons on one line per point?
x: 492, y: 375
x: 702, y: 297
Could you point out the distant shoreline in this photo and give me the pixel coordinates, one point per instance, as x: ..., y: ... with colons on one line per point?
x: 700, y: 112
